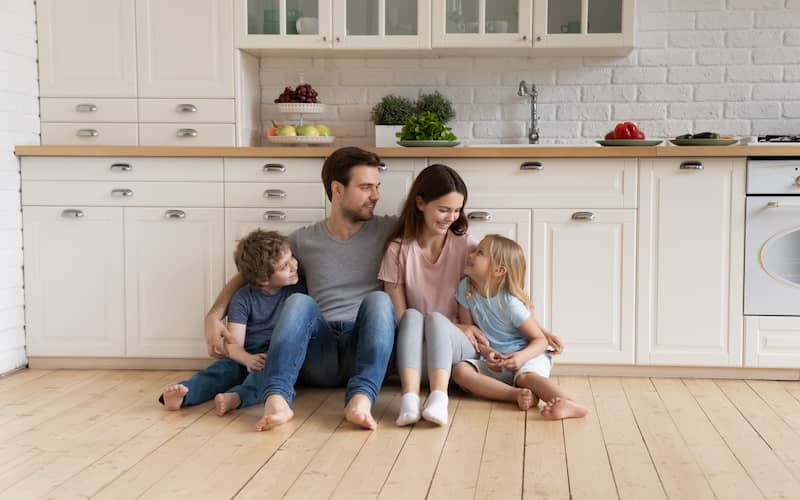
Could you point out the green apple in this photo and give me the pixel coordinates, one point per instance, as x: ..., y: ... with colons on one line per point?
x: 323, y: 130
x: 308, y: 131
x: 287, y: 131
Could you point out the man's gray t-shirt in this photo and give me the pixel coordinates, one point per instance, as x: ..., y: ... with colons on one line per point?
x: 339, y: 274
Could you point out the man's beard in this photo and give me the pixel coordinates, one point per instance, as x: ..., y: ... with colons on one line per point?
x: 356, y: 216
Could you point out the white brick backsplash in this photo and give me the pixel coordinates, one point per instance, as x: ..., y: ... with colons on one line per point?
x: 703, y: 74
x: 723, y: 57
x: 723, y: 127
x: 393, y: 63
x: 477, y: 112
x: 671, y: 57
x: 696, y: 4
x: 447, y: 63
x: 664, y: 128
x: 472, y: 78
x: 776, y: 92
x: 375, y: 94
x: 782, y: 126
x: 695, y: 111
x: 778, y: 18
x: 494, y: 130
x: 752, y: 110
x: 639, y: 75
x: 583, y: 76
x: 350, y: 113
x: 629, y: 60
x: 791, y: 38
x: 541, y: 77
x: 724, y: 20
x: 753, y: 38
x: 609, y: 93
x: 549, y: 93
x: 754, y: 73
x: 724, y: 92
x: 366, y: 77
x: 457, y: 95
x: 11, y: 220
x: 639, y: 111
x: 665, y: 93
x: 791, y: 110
x: 651, y: 39
x: 497, y: 95
x: 696, y: 39
x: 522, y: 112
x: 583, y: 112
x: 419, y: 78
x: 792, y: 74
x: 558, y: 129
x: 756, y: 5
x: 787, y: 56
x: 660, y: 21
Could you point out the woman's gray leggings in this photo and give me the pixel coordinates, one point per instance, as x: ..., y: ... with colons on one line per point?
x: 445, y: 344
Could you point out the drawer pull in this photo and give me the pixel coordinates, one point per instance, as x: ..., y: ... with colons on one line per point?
x: 72, y: 213
x: 121, y: 167
x: 691, y: 165
x: 274, y: 167
x: 187, y: 132
x: 274, y: 215
x: 122, y: 193
x: 531, y: 165
x: 186, y: 108
x: 382, y: 167
x: 587, y: 216
x: 86, y: 108
x: 274, y: 193
x: 484, y: 216
x: 175, y: 214
x: 88, y: 132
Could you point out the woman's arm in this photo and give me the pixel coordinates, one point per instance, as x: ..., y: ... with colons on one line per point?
x: 397, y: 292
x: 215, y: 329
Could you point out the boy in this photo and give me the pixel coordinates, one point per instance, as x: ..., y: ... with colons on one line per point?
x: 264, y: 260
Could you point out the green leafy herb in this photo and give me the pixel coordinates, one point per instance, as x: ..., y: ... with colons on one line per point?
x: 425, y: 127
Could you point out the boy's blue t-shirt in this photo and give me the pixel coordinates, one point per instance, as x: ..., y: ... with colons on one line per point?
x: 259, y: 312
x: 498, y: 317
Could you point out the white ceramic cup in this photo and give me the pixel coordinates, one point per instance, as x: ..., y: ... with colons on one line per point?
x: 498, y: 26
x: 307, y: 25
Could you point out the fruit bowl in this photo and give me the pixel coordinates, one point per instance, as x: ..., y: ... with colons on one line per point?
x: 301, y: 139
x: 301, y: 107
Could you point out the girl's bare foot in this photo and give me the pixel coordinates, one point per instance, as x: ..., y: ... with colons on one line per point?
x: 173, y: 396
x: 524, y: 398
x: 276, y: 412
x: 359, y: 412
x: 559, y: 408
x: 225, y: 402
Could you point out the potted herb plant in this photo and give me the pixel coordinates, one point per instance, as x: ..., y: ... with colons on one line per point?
x: 389, y: 115
x: 437, y: 104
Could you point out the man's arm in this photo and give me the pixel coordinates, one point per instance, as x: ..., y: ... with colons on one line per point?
x: 235, y: 347
x: 215, y: 328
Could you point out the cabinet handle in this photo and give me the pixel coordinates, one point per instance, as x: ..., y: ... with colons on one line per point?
x: 587, y: 216
x: 524, y: 37
x: 121, y: 167
x: 691, y: 165
x: 187, y: 132
x: 531, y: 165
x: 88, y: 132
x: 324, y: 38
x: 86, y: 108
x: 383, y: 168
x: 274, y: 193
x: 175, y: 214
x: 538, y: 38
x: 778, y: 204
x: 274, y: 215
x: 274, y: 167
x: 72, y: 213
x: 338, y: 40
x: 186, y: 108
x: 484, y: 216
x: 122, y: 193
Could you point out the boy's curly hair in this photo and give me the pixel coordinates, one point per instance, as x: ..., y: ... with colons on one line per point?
x: 257, y: 253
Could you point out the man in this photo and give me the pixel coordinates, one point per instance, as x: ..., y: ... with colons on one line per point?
x: 342, y: 332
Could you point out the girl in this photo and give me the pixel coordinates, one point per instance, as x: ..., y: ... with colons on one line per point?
x: 423, y: 262
x: 515, y: 365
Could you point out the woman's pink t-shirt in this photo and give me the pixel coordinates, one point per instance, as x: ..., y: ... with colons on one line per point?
x: 430, y: 287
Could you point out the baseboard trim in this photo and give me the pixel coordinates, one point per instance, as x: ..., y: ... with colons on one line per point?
x: 50, y: 363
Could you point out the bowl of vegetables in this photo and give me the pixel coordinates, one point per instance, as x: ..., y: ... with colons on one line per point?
x: 426, y: 130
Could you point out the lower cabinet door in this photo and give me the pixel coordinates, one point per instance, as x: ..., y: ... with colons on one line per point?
x: 74, y: 281
x: 173, y: 271
x: 584, y: 282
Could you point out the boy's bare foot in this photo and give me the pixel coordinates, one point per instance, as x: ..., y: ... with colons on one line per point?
x: 558, y: 408
x: 225, y: 402
x: 276, y: 412
x: 359, y: 412
x: 524, y: 398
x: 173, y: 396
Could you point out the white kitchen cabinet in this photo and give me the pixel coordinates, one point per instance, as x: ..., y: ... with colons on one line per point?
x: 396, y: 179
x: 584, y: 284
x: 511, y: 223
x: 74, y: 296
x: 173, y: 271
x: 381, y: 24
x: 772, y: 342
x: 587, y: 25
x: 481, y: 23
x: 690, y: 293
x: 87, y: 48
x: 185, y: 48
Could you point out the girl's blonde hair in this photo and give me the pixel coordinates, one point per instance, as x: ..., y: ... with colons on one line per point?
x: 507, y: 253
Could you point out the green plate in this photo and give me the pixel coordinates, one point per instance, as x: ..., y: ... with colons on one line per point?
x: 629, y: 142
x: 429, y: 144
x: 703, y: 142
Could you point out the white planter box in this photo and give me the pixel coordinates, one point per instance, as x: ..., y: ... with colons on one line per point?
x: 385, y: 135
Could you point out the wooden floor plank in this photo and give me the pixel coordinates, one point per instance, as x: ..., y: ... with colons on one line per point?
x: 500, y: 475
x: 634, y: 472
x: 765, y: 469
x: 590, y: 475
x: 680, y: 474
x: 21, y: 377
x: 545, y: 471
x: 775, y: 395
x: 725, y: 474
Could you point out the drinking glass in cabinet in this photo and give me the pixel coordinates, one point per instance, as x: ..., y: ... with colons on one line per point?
x: 401, y: 18
x: 502, y: 16
x: 462, y: 16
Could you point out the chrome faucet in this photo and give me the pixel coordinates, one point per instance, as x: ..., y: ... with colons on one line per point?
x: 530, y: 91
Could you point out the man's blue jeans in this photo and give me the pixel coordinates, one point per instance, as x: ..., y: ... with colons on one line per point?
x: 329, y: 354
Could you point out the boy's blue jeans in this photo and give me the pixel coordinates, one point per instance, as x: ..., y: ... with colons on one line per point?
x: 329, y: 354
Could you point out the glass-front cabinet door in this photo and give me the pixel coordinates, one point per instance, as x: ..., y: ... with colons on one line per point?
x: 381, y: 24
x: 481, y: 23
x: 303, y: 24
x: 583, y: 24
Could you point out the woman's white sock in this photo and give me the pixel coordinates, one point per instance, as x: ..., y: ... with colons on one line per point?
x: 409, y: 409
x: 436, y: 408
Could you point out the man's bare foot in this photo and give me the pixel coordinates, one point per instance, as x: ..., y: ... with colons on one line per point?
x: 173, y: 396
x: 276, y: 412
x: 225, y: 402
x: 524, y: 398
x: 558, y: 408
x: 359, y: 412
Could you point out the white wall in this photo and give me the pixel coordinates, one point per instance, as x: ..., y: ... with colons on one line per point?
x: 731, y: 66
x: 19, y: 124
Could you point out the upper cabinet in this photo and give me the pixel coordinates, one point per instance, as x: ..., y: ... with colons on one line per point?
x: 482, y: 23
x: 583, y: 24
x: 339, y: 24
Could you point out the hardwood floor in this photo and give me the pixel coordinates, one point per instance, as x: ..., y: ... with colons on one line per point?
x: 101, y: 434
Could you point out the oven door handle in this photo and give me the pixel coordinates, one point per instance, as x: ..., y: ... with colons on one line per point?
x: 778, y: 204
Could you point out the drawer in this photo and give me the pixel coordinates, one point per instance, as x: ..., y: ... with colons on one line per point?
x: 123, y: 193
x: 89, y: 134
x: 549, y: 182
x: 273, y: 169
x: 184, y: 134
x: 88, y: 110
x: 772, y: 341
x: 187, y: 110
x: 121, y: 169
x: 288, y: 194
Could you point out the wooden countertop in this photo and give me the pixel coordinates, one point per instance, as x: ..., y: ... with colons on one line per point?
x: 459, y: 152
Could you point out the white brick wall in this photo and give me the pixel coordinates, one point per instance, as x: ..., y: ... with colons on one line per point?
x: 19, y: 124
x: 731, y: 66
